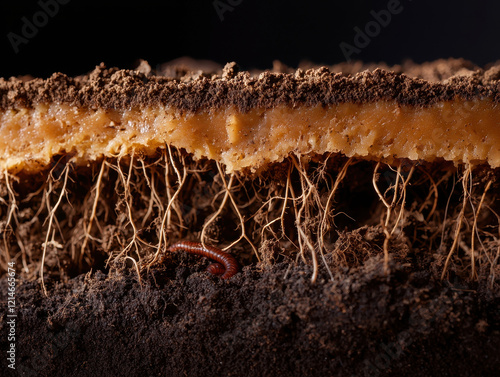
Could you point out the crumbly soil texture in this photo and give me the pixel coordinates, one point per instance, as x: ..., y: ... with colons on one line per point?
x: 349, y: 268
x: 263, y: 322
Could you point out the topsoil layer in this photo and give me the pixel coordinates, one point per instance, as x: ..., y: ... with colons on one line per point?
x: 269, y: 321
x: 192, y: 90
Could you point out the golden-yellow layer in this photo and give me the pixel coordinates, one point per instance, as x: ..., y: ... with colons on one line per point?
x: 456, y: 131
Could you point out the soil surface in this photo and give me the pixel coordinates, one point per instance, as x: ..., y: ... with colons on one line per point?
x: 193, y: 91
x: 265, y: 321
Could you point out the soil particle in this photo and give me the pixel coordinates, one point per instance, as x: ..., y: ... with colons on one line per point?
x: 262, y: 322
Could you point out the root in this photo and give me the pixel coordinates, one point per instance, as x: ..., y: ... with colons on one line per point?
x: 294, y: 203
x: 152, y: 197
x: 313, y: 254
x: 492, y: 276
x: 94, y: 209
x: 446, y: 214
x: 390, y: 206
x: 218, y: 212
x: 128, y: 199
x: 466, y: 196
x: 135, y: 206
x: 434, y: 192
x: 11, y: 215
x: 172, y: 202
x: 324, y: 225
x: 403, y: 202
x: 388, y: 211
x: 474, y: 230
x: 308, y: 190
x: 136, y: 266
x: 296, y: 211
x: 128, y: 203
x: 227, y: 194
x: 51, y: 219
x: 496, y: 259
x: 166, y: 217
x: 279, y: 218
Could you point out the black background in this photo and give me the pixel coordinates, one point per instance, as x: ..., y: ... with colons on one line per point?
x: 254, y: 33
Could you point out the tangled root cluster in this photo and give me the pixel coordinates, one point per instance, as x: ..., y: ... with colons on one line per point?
x: 328, y: 211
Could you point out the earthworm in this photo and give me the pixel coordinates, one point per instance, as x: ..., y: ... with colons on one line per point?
x: 225, y: 264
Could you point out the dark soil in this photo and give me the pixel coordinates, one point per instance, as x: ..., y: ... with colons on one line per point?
x: 262, y: 322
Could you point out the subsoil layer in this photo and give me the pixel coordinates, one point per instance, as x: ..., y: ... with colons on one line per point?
x: 265, y: 321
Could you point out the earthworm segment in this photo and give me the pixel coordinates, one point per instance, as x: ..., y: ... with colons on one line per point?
x: 225, y: 265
